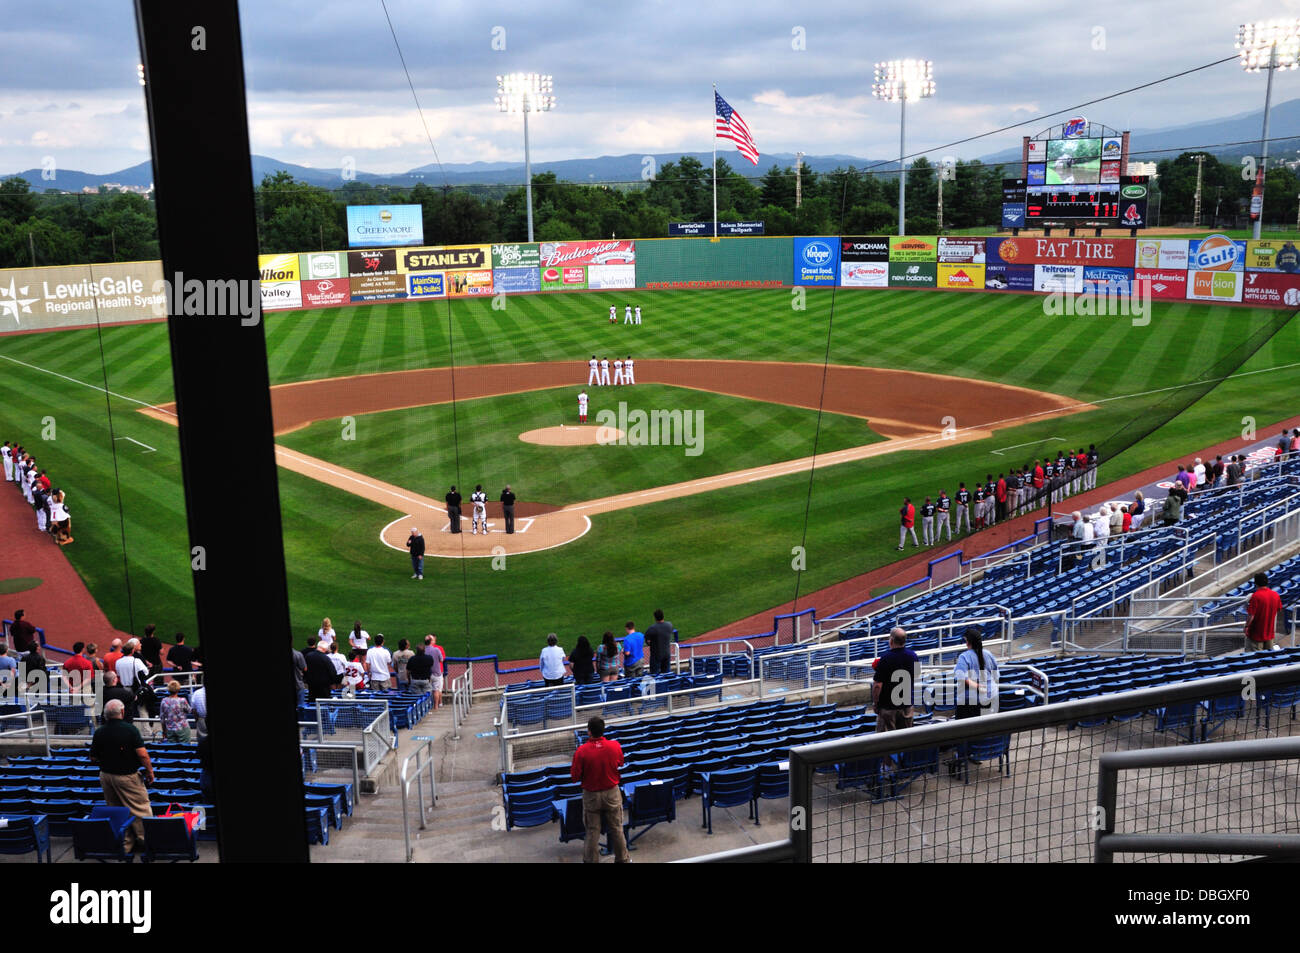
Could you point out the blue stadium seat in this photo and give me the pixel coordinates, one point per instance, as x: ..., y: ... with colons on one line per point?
x: 729, y: 788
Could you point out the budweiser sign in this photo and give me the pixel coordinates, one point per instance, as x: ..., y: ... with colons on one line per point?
x: 556, y: 254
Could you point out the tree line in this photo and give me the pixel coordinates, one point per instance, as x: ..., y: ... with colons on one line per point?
x: 53, y: 228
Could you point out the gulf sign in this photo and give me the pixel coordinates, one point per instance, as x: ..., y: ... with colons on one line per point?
x: 1216, y: 253
x: 958, y: 277
x: 816, y: 261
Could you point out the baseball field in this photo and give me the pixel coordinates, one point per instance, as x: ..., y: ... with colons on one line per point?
x: 698, y: 512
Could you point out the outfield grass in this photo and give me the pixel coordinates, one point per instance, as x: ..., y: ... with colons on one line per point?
x: 707, y: 559
x: 426, y: 448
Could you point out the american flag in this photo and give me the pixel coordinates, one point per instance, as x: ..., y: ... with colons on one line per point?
x: 728, y: 125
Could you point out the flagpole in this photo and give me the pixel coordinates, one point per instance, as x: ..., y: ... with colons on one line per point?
x: 714, y: 123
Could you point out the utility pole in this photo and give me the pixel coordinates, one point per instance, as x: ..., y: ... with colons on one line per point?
x: 1297, y: 214
x: 31, y: 244
x: 798, y: 179
x: 1196, y: 207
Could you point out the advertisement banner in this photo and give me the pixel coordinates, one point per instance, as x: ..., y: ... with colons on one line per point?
x: 816, y: 261
x: 956, y: 277
x: 379, y: 262
x: 468, y: 284
x: 445, y: 258
x: 1272, y: 255
x: 1134, y: 191
x: 325, y: 292
x: 1167, y: 284
x: 1037, y: 150
x: 1013, y: 214
x: 919, y: 275
x: 1275, y: 290
x: 516, y: 256
x: 612, y: 252
x: 611, y: 276
x: 1036, y: 174
x: 564, y: 279
x: 1214, y: 285
x: 1162, y: 253
x: 375, y: 226
x: 864, y: 248
x: 323, y: 264
x: 1112, y: 252
x: 964, y: 251
x: 1109, y: 172
x: 1058, y: 278
x: 864, y: 274
x: 913, y: 248
x: 272, y: 268
x: 431, y: 285
x: 379, y: 287
x: 516, y: 280
x: 1105, y: 281
x: 281, y: 295
x: 1216, y: 253
x: 1009, y: 277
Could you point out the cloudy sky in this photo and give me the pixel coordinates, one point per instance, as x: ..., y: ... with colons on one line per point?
x: 324, y: 81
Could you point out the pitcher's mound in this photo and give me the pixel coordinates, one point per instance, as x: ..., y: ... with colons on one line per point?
x: 572, y: 435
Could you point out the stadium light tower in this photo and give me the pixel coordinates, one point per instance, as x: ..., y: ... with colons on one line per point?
x: 525, y: 93
x: 899, y: 81
x: 1270, y: 45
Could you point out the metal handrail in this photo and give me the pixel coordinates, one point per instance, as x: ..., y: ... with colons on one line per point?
x: 338, y: 746
x: 27, y: 716
x: 423, y: 758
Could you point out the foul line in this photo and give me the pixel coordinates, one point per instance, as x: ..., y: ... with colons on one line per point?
x: 102, y: 390
x: 147, y: 448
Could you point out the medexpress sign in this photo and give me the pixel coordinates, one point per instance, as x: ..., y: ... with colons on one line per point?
x: 816, y: 261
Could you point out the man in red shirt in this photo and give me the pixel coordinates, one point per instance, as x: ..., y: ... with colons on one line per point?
x: 595, y: 765
x: 77, y: 669
x: 1261, y: 615
x: 907, y: 517
x: 114, y: 654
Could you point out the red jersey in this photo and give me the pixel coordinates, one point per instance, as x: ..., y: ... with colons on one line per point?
x: 908, y: 513
x: 1002, y: 491
x: 1128, y: 522
x: 596, y: 764
x: 1263, y: 607
x: 1038, y: 477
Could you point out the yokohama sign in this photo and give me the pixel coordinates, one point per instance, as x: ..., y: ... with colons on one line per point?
x: 588, y: 253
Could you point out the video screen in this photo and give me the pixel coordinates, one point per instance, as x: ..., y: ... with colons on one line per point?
x: 1073, y: 161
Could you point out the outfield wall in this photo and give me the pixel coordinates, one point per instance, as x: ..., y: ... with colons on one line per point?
x: 1214, y: 269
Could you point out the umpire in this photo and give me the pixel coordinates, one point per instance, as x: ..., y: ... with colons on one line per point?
x: 508, y: 508
x: 453, y: 509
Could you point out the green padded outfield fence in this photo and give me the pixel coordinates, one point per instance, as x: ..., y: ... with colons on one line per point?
x: 705, y: 263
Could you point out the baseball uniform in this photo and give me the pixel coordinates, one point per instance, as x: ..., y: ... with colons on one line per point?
x: 582, y: 407
x: 942, y: 505
x: 593, y: 377
x: 627, y: 314
x: 963, y: 509
x: 604, y: 371
x: 479, y: 499
x: 618, y: 372
x: 638, y: 315
x: 8, y: 455
x: 927, y: 523
x: 628, y: 377
x: 613, y: 315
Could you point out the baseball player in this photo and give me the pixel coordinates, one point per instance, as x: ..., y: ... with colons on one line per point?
x: 582, y: 407
x: 990, y: 500
x: 618, y: 372
x: 627, y: 314
x: 942, y: 506
x: 593, y: 376
x: 604, y: 371
x: 628, y: 377
x: 927, y: 522
x: 907, y: 522
x: 479, y: 499
x: 1093, y: 458
x: 613, y: 315
x: 7, y: 453
x: 638, y: 315
x: 963, y: 507
x: 979, y: 505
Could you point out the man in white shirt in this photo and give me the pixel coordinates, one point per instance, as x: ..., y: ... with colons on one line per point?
x: 582, y: 407
x: 627, y: 314
x: 552, y: 661
x: 593, y: 375
x: 7, y: 453
x: 129, y: 667
x: 1199, y: 471
x: 337, y: 657
x: 604, y: 371
x: 380, y: 663
x: 359, y: 637
x: 1100, y: 531
x: 628, y: 375
x: 638, y: 314
x: 199, y: 702
x: 618, y: 372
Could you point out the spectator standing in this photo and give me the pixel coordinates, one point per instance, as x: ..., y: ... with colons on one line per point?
x: 113, y: 691
x: 1173, y: 510
x: 77, y: 670
x: 415, y: 543
x: 359, y: 638
x: 321, y: 676
x: 336, y: 657
x: 633, y: 651
x: 199, y: 702
x: 299, y: 671
x: 22, y: 634
x: 119, y: 751
x: 129, y: 668
x: 582, y: 658
x: 354, y: 673
x: 175, y: 714
x: 380, y: 663
x: 596, y: 766
x: 1138, y: 510
x: 326, y: 634
x: 434, y: 650
x: 93, y: 658
x: 8, y: 666
x: 151, y: 649
x: 180, y: 656
x: 1262, y: 610
x: 894, y: 684
x: 420, y: 670
x: 976, y: 675
x: 660, y: 639
x: 114, y: 653
x: 401, y: 657
x: 552, y: 662
x: 609, y: 658
x: 1198, y: 471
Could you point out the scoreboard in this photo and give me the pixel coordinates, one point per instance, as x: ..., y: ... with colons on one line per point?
x: 1072, y: 203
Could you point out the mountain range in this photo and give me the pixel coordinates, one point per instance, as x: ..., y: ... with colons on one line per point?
x: 1229, y: 138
